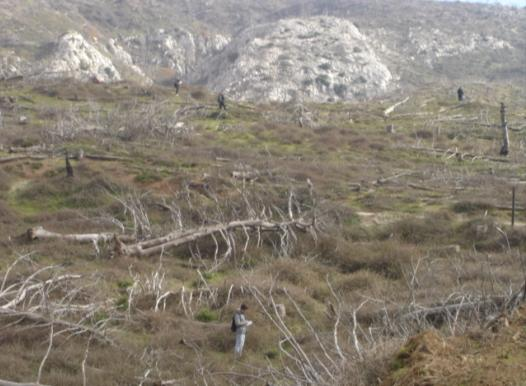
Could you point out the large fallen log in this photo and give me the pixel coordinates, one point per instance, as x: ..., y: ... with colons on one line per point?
x: 459, y: 155
x: 7, y: 383
x: 31, y: 149
x: 392, y: 108
x: 75, y: 328
x: 486, y: 307
x: 100, y: 157
x: 15, y: 158
x: 172, y: 240
x: 39, y: 233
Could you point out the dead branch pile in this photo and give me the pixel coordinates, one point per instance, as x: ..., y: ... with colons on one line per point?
x: 45, y: 297
x: 144, y: 243
x: 158, y: 245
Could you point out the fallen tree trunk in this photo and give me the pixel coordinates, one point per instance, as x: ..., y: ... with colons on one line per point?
x: 158, y: 245
x: 39, y: 233
x: 392, y: 108
x: 15, y: 158
x: 31, y: 149
x: 438, y: 314
x: 7, y: 383
x: 76, y: 328
x: 95, y: 157
x: 458, y: 154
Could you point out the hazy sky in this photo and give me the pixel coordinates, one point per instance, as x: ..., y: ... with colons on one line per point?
x: 521, y: 3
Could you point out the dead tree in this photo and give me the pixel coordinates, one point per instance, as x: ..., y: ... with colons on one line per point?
x: 158, y: 245
x: 504, y: 150
x: 69, y: 168
x: 7, y: 383
x: 45, y: 296
x: 39, y: 233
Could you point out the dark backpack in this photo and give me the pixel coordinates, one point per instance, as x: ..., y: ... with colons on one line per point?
x: 233, y: 326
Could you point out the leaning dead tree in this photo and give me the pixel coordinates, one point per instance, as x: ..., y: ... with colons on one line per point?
x: 283, y: 224
x: 504, y: 150
x: 158, y: 245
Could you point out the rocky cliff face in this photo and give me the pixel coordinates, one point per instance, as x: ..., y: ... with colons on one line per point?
x: 75, y: 57
x: 11, y: 65
x: 270, y: 49
x: 432, y: 45
x: 124, y: 61
x: 177, y: 49
x: 320, y: 58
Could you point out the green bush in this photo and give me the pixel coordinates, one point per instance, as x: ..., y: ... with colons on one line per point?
x: 122, y: 303
x: 206, y: 315
x: 470, y: 206
x: 147, y: 176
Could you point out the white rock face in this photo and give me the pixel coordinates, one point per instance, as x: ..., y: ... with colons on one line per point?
x: 318, y: 59
x: 178, y: 49
x: 434, y: 44
x: 124, y: 60
x: 11, y: 65
x: 76, y: 58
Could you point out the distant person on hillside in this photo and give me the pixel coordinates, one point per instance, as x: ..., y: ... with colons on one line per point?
x: 460, y: 94
x: 221, y: 101
x: 177, y: 85
x: 69, y: 168
x: 239, y: 326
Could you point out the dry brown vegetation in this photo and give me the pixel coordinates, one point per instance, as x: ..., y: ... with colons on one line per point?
x: 401, y: 233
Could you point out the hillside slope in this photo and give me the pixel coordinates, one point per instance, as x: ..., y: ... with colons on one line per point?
x: 492, y: 358
x: 419, y: 41
x: 317, y: 59
x: 412, y: 212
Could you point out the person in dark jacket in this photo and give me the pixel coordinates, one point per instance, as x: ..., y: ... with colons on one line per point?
x: 177, y: 85
x: 221, y: 101
x: 460, y: 94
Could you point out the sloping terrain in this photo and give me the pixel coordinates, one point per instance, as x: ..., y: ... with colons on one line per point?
x: 366, y: 221
x: 483, y: 358
x: 315, y: 59
x: 420, y: 42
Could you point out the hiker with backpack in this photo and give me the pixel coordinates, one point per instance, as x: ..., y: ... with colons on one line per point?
x: 239, y: 326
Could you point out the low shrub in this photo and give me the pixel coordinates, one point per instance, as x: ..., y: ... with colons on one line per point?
x: 206, y: 315
x: 435, y: 229
x: 470, y: 206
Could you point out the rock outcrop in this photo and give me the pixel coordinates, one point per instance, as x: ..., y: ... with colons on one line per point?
x: 178, y: 49
x: 11, y: 65
x: 431, y: 45
x: 76, y: 58
x: 124, y: 61
x: 320, y: 59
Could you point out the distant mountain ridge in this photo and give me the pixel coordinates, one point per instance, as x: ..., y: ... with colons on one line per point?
x: 415, y: 42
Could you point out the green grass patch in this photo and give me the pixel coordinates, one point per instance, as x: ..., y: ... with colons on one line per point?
x: 207, y: 315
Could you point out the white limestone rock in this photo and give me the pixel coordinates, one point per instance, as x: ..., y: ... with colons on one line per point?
x: 76, y: 58
x: 125, y: 63
x: 177, y: 49
x: 11, y: 65
x: 317, y: 59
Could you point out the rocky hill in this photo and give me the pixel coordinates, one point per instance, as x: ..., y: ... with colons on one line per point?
x: 272, y: 50
x: 317, y: 58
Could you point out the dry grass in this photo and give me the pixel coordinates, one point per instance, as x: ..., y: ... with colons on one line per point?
x: 368, y: 243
